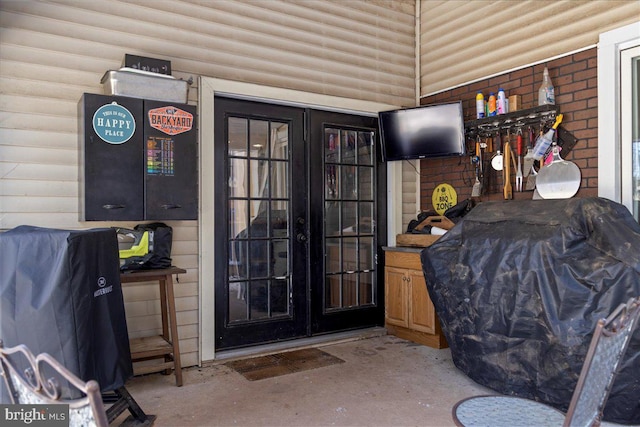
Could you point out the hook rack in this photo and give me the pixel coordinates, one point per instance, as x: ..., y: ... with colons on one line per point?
x: 513, y: 121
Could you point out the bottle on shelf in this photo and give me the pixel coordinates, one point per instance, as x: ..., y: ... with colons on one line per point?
x: 479, y: 106
x: 501, y: 102
x: 492, y: 104
x: 546, y: 95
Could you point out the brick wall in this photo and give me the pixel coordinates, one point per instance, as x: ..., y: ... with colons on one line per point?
x: 574, y: 78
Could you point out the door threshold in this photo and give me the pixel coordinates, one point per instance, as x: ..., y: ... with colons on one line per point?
x: 316, y: 341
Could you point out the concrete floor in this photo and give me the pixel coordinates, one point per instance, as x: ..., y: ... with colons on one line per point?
x: 385, y: 381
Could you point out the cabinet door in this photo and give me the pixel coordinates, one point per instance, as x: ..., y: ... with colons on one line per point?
x: 422, y: 315
x: 171, y: 170
x: 111, y: 161
x: 396, y: 296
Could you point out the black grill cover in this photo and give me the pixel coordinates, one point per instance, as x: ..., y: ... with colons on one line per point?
x: 519, y: 286
x: 61, y: 294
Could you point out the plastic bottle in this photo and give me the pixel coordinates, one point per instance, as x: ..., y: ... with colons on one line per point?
x: 501, y: 103
x: 492, y: 104
x: 542, y: 144
x: 479, y: 106
x: 546, y: 95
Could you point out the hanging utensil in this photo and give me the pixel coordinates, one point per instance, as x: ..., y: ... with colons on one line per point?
x: 496, y: 160
x: 559, y: 180
x: 528, y: 158
x: 531, y: 179
x: 519, y: 170
x: 508, y: 192
x: 477, y: 186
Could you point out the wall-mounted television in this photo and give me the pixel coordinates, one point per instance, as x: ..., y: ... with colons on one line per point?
x: 435, y: 130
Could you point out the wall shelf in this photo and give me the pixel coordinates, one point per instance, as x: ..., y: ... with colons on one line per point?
x: 488, y: 126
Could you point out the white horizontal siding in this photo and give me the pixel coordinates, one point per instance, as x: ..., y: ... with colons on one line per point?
x: 462, y: 41
x: 51, y: 52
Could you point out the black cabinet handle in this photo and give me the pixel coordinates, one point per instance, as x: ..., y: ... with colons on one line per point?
x: 113, y: 206
x: 167, y: 207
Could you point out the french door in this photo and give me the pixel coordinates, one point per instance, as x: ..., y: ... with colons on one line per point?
x: 296, y: 240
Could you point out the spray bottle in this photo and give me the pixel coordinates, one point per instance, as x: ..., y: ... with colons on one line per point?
x: 479, y: 106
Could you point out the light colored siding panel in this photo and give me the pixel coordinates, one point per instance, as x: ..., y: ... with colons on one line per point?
x: 457, y: 46
x: 36, y: 189
x: 38, y: 205
x: 39, y: 122
x: 28, y: 171
x: 54, y: 51
x: 39, y: 155
x: 39, y: 138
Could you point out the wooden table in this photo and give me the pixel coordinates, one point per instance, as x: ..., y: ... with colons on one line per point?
x: 164, y: 346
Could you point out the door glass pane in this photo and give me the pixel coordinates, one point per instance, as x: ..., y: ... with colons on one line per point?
x: 333, y: 292
x: 365, y: 148
x: 237, y: 258
x: 366, y: 288
x: 238, y: 302
x: 332, y: 219
x: 349, y: 220
x: 365, y: 182
x: 365, y: 218
x: 333, y: 254
x: 259, y: 138
x: 279, y: 140
x: 365, y: 251
x: 349, y: 184
x: 331, y: 181
x: 259, y: 299
x: 259, y: 175
x: 279, y: 297
x: 349, y: 215
x: 348, y: 146
x: 238, y: 132
x: 259, y: 278
x: 279, y: 179
x: 331, y: 145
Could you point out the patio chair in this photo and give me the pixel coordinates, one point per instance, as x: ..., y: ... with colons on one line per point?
x: 30, y: 385
x: 608, y: 345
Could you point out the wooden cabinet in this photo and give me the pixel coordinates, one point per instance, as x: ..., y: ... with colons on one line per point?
x: 409, y: 312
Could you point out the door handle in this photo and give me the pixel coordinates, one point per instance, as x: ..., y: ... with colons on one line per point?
x: 109, y: 207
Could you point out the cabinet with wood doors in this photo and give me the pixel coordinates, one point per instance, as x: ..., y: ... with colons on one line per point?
x: 409, y: 312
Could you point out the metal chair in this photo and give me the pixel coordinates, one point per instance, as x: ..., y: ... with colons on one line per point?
x: 27, y: 383
x: 608, y: 345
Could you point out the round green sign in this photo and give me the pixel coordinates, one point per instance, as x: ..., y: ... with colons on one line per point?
x: 113, y: 123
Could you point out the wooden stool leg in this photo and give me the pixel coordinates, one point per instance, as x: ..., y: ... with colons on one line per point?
x: 173, y: 325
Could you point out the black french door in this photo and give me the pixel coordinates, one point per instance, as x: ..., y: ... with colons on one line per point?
x: 346, y: 200
x: 296, y: 237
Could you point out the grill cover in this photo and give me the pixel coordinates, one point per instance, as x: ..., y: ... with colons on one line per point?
x: 61, y: 294
x: 519, y: 286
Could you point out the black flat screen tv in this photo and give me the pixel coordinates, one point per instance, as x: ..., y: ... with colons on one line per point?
x: 422, y: 132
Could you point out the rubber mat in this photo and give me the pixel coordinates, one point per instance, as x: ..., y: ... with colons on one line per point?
x: 274, y: 365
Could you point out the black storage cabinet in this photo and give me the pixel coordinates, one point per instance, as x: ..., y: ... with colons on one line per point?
x: 111, y: 175
x: 60, y: 293
x: 151, y: 176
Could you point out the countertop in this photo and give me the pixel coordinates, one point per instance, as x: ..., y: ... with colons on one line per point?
x: 403, y: 248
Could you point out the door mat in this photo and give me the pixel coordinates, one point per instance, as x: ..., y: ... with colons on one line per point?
x: 273, y: 365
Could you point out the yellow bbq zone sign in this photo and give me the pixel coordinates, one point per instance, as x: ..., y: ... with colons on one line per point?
x: 444, y: 197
